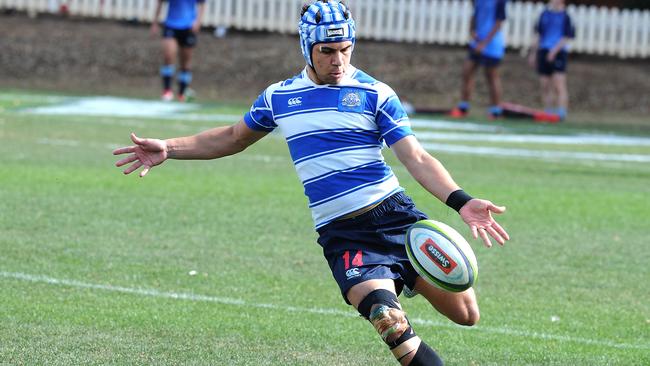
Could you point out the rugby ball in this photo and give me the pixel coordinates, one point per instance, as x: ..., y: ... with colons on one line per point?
x: 441, y: 255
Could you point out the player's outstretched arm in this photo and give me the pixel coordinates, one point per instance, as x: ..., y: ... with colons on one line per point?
x: 210, y: 144
x: 434, y: 177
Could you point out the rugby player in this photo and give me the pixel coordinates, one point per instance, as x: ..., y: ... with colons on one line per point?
x: 180, y: 31
x: 335, y: 119
x: 486, y: 48
x: 553, y: 32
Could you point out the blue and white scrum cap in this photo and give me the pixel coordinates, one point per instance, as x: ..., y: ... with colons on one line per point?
x: 325, y: 22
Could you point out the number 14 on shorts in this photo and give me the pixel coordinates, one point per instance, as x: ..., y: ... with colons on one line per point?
x: 357, y: 260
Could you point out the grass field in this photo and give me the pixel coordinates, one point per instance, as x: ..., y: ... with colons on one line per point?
x: 95, y: 266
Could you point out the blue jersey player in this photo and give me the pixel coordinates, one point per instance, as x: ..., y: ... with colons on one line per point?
x: 180, y: 30
x: 553, y: 30
x: 336, y: 119
x: 486, y: 48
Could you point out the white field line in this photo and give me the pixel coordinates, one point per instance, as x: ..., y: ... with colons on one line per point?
x: 535, y: 154
x: 33, y: 98
x: 306, y: 310
x: 607, y: 140
x: 76, y: 143
x: 437, y: 124
x: 463, y: 149
x: 233, y: 118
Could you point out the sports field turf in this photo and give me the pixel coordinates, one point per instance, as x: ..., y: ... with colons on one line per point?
x: 95, y: 267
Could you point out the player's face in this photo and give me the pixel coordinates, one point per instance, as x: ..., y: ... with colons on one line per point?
x: 331, y: 61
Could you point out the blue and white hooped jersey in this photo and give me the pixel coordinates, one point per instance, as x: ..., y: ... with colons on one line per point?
x: 335, y: 134
x: 181, y: 14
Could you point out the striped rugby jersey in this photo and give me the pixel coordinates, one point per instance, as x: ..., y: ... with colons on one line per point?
x: 335, y: 134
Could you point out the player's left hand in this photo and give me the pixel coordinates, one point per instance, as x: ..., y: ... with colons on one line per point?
x: 477, y: 214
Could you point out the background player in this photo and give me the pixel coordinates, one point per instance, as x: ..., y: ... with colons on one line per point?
x: 553, y: 32
x: 180, y: 30
x: 335, y: 119
x: 486, y: 48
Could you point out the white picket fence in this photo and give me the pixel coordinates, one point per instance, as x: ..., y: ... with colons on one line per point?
x: 599, y: 30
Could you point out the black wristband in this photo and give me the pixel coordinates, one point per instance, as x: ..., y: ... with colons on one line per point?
x: 458, y: 199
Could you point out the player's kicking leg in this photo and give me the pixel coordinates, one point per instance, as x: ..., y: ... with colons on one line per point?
x: 376, y: 300
x: 460, y: 307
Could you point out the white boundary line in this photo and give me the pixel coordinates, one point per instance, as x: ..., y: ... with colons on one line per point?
x: 312, y: 310
x: 462, y: 149
x: 593, y: 139
x: 535, y: 154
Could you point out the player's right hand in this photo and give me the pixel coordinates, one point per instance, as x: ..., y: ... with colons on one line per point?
x: 145, y: 153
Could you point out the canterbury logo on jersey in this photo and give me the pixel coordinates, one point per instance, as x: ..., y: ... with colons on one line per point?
x: 294, y: 102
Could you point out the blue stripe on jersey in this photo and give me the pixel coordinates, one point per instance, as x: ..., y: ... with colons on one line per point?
x: 260, y: 116
x: 333, y: 172
x: 327, y: 188
x: 351, y: 190
x: 389, y: 117
x: 323, y: 142
x: 315, y: 132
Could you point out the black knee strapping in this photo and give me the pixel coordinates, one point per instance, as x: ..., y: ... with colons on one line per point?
x: 425, y: 356
x: 381, y: 297
x: 408, y: 334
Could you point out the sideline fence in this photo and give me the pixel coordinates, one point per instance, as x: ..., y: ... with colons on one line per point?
x: 599, y: 30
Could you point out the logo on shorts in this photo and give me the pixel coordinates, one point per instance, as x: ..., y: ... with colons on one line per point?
x: 295, y: 102
x: 438, y: 256
x: 335, y: 32
x: 352, y: 273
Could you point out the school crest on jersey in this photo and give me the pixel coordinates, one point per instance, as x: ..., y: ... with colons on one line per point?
x: 352, y: 100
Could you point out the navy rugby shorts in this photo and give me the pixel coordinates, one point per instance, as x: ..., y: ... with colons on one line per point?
x: 184, y: 37
x: 483, y: 60
x: 549, y: 68
x: 371, y: 246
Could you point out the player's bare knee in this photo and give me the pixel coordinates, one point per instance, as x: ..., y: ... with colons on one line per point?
x: 469, y: 316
